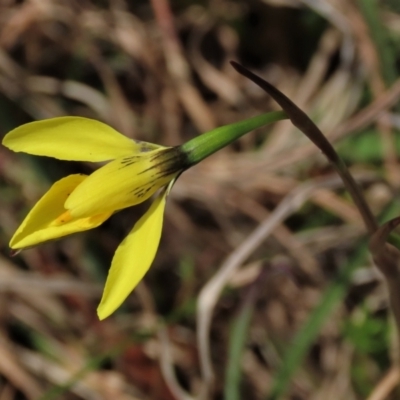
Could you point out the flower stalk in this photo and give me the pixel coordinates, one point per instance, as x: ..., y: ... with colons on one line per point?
x: 210, y: 142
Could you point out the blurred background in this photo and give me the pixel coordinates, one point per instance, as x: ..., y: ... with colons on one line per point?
x: 262, y: 287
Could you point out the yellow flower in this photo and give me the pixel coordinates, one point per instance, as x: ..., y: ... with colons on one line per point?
x: 137, y: 170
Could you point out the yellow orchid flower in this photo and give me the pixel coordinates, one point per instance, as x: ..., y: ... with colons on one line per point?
x: 135, y: 172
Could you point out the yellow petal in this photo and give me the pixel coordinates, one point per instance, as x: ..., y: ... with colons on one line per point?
x: 73, y: 138
x: 124, y: 182
x: 50, y: 220
x: 133, y: 258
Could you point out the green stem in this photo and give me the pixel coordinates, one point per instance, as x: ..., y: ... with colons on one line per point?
x: 208, y: 143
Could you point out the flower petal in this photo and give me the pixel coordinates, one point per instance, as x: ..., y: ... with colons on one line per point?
x: 124, y: 182
x: 73, y: 138
x: 49, y: 220
x: 133, y: 258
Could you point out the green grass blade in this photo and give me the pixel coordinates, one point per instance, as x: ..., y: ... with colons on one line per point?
x: 238, y: 335
x: 307, y: 334
x: 371, y: 11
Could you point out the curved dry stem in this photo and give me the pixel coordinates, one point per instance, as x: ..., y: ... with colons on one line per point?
x: 167, y: 367
x: 386, y: 256
x: 301, y: 121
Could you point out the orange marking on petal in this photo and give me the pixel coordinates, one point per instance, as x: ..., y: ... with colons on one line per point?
x: 62, y: 219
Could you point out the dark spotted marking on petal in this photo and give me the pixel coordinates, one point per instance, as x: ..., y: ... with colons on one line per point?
x: 127, y: 164
x: 142, y: 191
x: 145, y: 147
x: 159, y: 154
x: 144, y: 188
x: 174, y: 159
x: 128, y: 161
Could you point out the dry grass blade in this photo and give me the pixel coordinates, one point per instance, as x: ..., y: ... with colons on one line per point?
x: 210, y: 293
x: 12, y: 370
x: 167, y: 367
x: 337, y: 19
x: 179, y: 69
x: 359, y: 121
x: 387, y: 259
x: 380, y: 250
x: 386, y: 385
